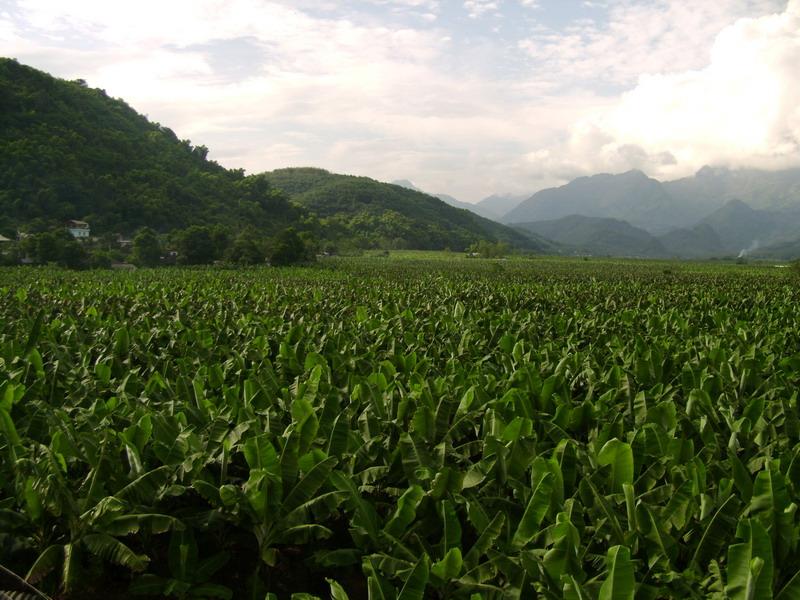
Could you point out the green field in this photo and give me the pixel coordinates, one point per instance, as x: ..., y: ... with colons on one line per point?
x: 422, y: 426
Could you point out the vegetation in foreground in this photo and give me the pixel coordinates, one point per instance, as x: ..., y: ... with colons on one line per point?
x: 402, y: 429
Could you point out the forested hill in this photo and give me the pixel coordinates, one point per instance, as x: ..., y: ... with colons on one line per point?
x: 384, y: 214
x: 71, y: 152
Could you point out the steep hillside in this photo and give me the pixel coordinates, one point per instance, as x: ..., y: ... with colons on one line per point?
x: 71, y: 152
x: 374, y: 213
x: 597, y: 236
x: 632, y: 196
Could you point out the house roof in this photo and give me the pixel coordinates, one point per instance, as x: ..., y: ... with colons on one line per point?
x: 75, y: 223
x: 4, y: 238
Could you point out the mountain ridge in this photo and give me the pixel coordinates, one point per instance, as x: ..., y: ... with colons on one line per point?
x: 389, y: 211
x: 597, y: 235
x: 632, y: 196
x: 601, y: 236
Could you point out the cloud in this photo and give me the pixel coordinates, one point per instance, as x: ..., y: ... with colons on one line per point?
x: 741, y: 109
x: 635, y: 38
x: 264, y: 85
x: 7, y: 33
x: 477, y: 8
x: 410, y: 89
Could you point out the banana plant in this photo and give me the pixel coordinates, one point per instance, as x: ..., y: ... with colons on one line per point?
x: 98, y: 526
x: 279, y: 497
x: 189, y: 577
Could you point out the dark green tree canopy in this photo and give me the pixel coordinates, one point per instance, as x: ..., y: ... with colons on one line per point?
x: 146, y: 248
x: 196, y: 246
x: 71, y: 152
x: 54, y: 247
x: 289, y: 248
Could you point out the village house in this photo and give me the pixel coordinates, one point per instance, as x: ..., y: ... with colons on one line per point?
x: 78, y: 229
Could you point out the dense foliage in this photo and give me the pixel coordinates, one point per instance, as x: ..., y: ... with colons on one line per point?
x: 406, y: 430
x: 365, y: 213
x: 70, y: 152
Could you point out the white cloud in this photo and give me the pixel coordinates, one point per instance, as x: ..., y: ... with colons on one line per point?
x: 7, y: 32
x: 477, y: 8
x: 365, y: 99
x: 741, y: 109
x: 638, y: 37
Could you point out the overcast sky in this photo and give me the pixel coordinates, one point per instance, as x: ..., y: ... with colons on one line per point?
x: 465, y: 97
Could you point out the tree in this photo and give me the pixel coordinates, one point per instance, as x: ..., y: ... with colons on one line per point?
x: 146, y: 248
x: 57, y: 247
x: 246, y: 249
x: 288, y: 248
x: 220, y: 240
x: 195, y: 246
x: 72, y: 254
x: 99, y: 259
x: 46, y: 247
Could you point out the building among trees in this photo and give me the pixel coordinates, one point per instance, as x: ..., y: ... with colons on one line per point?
x: 78, y: 229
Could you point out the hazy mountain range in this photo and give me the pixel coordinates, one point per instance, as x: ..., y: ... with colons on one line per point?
x: 657, y: 206
x: 717, y: 212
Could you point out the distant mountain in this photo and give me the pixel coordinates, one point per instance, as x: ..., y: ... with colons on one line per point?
x: 632, y: 196
x: 478, y: 209
x: 741, y: 227
x: 684, y: 203
x: 614, y: 237
x: 716, y: 212
x: 784, y: 250
x: 382, y: 214
x: 712, y: 187
x: 597, y: 236
x: 493, y: 207
x: 700, y: 241
x: 447, y: 199
x: 497, y: 206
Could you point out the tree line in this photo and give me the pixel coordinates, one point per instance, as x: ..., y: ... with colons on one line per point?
x: 195, y: 245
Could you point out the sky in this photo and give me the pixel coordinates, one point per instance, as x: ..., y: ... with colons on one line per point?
x: 463, y: 97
